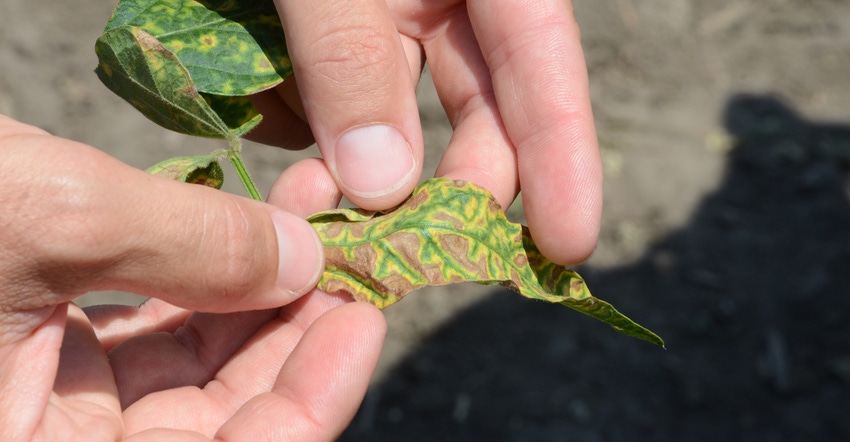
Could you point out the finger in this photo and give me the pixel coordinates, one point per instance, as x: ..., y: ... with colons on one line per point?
x: 480, y: 150
x: 145, y: 364
x: 534, y: 54
x: 93, y: 223
x: 85, y: 391
x: 31, y: 349
x: 52, y: 391
x: 205, y: 343
x: 357, y: 88
x: 114, y: 324
x: 305, y: 188
x: 254, y: 370
x: 321, y: 385
x: 250, y: 371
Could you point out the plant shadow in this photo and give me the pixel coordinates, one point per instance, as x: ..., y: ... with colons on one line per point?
x: 751, y: 297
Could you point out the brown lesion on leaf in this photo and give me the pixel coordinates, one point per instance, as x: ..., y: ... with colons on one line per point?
x: 331, y: 230
x: 432, y: 274
x: 364, y: 260
x: 396, y: 285
x: 516, y: 278
x: 358, y: 229
x: 457, y: 247
x: 336, y: 285
x: 494, y: 205
x: 149, y: 43
x: 550, y: 284
x: 363, y: 263
x: 408, y: 246
x: 188, y: 90
x: 208, y: 40
x: 535, y: 258
x: 454, y: 245
x: 520, y: 260
x: 416, y: 199
x: 456, y: 222
x: 388, y: 288
x: 384, y: 291
x: 577, y: 286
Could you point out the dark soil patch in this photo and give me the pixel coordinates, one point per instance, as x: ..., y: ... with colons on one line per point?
x: 751, y: 296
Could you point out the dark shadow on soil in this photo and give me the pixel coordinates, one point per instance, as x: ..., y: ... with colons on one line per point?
x: 752, y: 298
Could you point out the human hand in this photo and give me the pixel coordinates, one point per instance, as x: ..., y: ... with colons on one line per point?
x: 75, y: 220
x: 510, y: 75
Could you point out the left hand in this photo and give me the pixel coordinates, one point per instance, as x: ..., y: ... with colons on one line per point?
x: 295, y: 373
x: 76, y: 220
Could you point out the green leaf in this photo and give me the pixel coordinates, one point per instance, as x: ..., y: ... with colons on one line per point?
x: 237, y: 113
x: 229, y: 47
x: 202, y: 169
x: 134, y: 65
x: 448, y: 232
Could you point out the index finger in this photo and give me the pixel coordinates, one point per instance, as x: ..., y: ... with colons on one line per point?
x: 533, y: 50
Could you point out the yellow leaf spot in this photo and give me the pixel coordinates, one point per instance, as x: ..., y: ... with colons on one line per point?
x: 176, y: 45
x: 262, y: 64
x: 106, y: 69
x: 209, y: 40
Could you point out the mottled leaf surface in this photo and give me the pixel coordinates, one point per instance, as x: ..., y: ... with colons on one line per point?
x: 201, y: 169
x: 448, y: 232
x: 138, y: 68
x: 237, y: 113
x: 229, y: 47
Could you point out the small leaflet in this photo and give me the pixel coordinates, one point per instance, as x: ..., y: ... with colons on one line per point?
x: 203, y: 169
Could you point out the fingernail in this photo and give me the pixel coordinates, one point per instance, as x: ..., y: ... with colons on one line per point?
x: 373, y: 161
x: 301, y: 260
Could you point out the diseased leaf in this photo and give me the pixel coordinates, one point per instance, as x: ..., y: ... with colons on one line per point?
x: 229, y: 47
x: 447, y: 232
x: 136, y: 66
x: 202, y: 169
x: 237, y: 113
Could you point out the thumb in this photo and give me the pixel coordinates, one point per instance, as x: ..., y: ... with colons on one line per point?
x: 85, y: 221
x: 358, y: 90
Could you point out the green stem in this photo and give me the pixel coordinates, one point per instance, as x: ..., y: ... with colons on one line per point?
x: 236, y: 160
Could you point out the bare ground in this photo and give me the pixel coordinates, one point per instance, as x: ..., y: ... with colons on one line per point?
x: 725, y: 129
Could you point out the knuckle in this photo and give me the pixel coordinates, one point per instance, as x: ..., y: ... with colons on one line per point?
x: 354, y: 55
x: 237, y: 262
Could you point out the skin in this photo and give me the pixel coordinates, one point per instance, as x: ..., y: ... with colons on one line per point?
x: 76, y: 220
x: 510, y: 74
